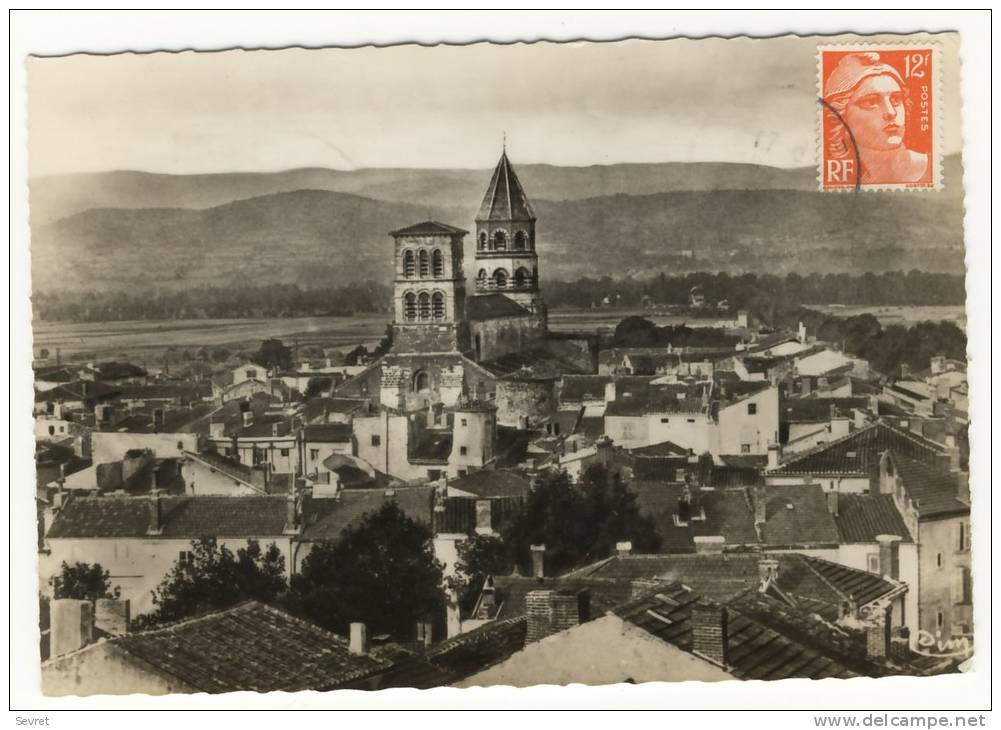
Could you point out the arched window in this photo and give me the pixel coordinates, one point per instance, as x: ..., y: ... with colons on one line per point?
x: 438, y: 305
x: 483, y: 240
x: 437, y: 263
x: 500, y: 241
x: 408, y: 264
x: 522, y: 277
x: 424, y: 268
x: 500, y: 278
x: 424, y: 306
x: 409, y: 307
x: 422, y: 381
x: 520, y: 241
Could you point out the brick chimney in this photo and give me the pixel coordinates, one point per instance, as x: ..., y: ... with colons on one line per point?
x: 709, y: 632
x: 155, y: 526
x: 550, y: 611
x: 623, y: 549
x: 71, y: 625
x: 877, y: 634
x: 889, y: 555
x: 538, y: 561
x: 358, y: 643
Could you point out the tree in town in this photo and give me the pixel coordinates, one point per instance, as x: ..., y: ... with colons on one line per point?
x: 478, y: 557
x: 381, y: 572
x: 273, y: 353
x: 83, y: 581
x: 212, y: 577
x: 578, y: 523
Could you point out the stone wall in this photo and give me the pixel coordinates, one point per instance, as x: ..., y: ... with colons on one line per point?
x: 533, y: 400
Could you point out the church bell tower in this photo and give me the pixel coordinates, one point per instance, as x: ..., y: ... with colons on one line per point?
x: 506, y: 262
x: 429, y: 289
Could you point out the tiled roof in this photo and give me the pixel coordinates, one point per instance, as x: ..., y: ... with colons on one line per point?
x: 665, y: 448
x: 858, y: 453
x: 585, y: 387
x: 510, y: 592
x: 861, y: 517
x: 754, y: 650
x: 113, y: 370
x: 487, y: 483
x: 505, y: 199
x: 182, y: 517
x: 175, y: 420
x: 184, y: 391
x: 932, y: 491
x: 722, y: 577
x: 727, y: 513
x: 75, y: 391
x: 483, y: 647
x: 327, y: 433
x: 458, y: 514
x: 797, y: 515
x: 659, y: 399
x: 428, y: 228
x: 250, y: 647
x: 493, y: 306
x: 818, y: 410
x: 329, y: 517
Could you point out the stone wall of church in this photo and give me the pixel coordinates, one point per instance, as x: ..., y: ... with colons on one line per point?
x: 492, y: 338
x: 431, y: 337
x: 525, y: 403
x: 579, y: 349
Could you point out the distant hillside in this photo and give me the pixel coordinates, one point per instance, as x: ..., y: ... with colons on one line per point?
x: 316, y: 237
x: 63, y: 195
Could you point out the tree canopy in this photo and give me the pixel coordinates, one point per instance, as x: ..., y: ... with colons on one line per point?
x: 578, y: 523
x: 83, y: 581
x: 274, y: 353
x: 211, y: 577
x: 381, y: 572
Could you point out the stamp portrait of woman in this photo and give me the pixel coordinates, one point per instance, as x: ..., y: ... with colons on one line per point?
x: 872, y: 101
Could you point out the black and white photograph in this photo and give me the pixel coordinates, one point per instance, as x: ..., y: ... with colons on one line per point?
x: 420, y: 366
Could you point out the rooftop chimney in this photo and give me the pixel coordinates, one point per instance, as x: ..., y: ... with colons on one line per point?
x: 768, y: 572
x: 358, y: 643
x: 155, y: 526
x: 760, y: 506
x: 709, y: 543
x: 291, y: 516
x: 550, y: 612
x: 112, y: 616
x: 709, y: 632
x: 71, y: 625
x: 905, y: 371
x: 623, y: 548
x: 538, y: 561
x: 832, y: 502
x: 877, y: 634
x: 484, y: 519
x: 774, y: 452
x: 889, y: 555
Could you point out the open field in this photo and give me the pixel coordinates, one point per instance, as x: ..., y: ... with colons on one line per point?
x: 148, y: 339
x: 906, y: 316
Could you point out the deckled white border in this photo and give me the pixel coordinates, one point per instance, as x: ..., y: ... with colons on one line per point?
x: 938, y: 136
x: 62, y: 32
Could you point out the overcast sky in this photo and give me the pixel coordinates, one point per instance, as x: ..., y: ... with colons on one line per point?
x: 736, y: 100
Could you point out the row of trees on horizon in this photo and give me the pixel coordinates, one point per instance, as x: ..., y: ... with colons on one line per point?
x: 763, y: 295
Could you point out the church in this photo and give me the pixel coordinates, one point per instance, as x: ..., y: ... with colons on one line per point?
x: 452, y: 347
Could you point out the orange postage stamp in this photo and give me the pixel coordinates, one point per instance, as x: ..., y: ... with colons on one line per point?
x: 878, y: 121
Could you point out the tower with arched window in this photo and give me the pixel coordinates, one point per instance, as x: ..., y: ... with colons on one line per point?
x: 429, y: 289
x: 506, y: 259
